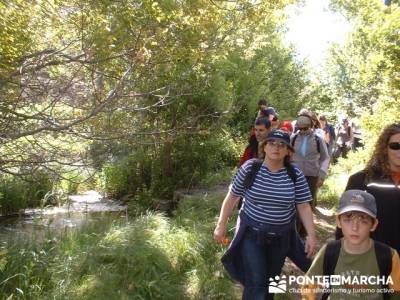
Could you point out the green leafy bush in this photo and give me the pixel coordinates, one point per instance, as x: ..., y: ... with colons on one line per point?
x: 128, y: 175
x: 157, y: 171
x: 18, y: 193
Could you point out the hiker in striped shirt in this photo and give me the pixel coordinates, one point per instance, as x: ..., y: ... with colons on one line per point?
x: 266, y: 222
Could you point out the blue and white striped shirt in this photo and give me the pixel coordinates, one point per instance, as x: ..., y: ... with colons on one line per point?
x: 272, y: 197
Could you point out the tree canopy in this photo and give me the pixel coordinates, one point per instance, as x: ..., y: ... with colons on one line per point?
x: 361, y: 78
x: 77, y: 69
x: 85, y: 83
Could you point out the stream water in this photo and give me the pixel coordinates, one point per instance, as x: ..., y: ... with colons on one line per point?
x: 83, y: 209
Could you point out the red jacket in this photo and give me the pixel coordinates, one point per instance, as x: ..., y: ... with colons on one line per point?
x: 251, y: 150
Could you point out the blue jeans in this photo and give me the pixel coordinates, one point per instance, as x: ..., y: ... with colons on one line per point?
x: 262, y: 261
x: 297, y: 253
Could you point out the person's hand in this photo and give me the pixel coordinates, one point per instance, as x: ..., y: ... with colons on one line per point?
x: 219, y: 233
x: 310, y: 246
x: 320, y: 182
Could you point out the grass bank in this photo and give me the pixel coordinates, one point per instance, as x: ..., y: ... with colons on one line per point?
x: 151, y: 257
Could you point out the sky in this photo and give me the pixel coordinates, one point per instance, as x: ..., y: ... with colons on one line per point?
x: 312, y: 28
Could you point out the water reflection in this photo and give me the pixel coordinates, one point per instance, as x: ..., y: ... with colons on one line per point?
x: 87, y: 209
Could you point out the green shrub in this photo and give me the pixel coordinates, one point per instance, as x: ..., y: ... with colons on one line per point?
x: 12, y: 199
x: 128, y: 175
x: 115, y: 179
x: 157, y: 171
x: 18, y: 193
x: 38, y: 184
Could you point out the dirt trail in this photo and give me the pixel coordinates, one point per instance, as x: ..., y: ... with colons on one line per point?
x: 324, y: 219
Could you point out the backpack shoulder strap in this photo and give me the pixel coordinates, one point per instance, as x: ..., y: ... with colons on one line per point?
x: 317, y: 142
x: 331, y: 257
x: 292, y: 172
x: 294, y: 139
x: 383, y: 256
x: 384, y: 259
x: 251, y: 175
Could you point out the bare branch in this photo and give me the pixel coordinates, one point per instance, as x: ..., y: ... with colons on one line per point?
x: 110, y: 97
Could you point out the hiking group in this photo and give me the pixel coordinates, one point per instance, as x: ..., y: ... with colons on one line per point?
x: 275, y: 189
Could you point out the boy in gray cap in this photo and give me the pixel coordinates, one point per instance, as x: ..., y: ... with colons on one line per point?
x: 366, y: 269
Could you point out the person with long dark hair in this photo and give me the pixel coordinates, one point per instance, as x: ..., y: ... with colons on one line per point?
x: 381, y: 178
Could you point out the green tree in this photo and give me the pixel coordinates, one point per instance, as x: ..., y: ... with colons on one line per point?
x: 362, y: 76
x: 90, y: 83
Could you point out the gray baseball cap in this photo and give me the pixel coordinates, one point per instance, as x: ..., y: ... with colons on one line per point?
x: 304, y: 121
x: 357, y: 200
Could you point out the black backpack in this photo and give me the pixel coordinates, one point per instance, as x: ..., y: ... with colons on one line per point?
x: 383, y: 258
x: 331, y: 133
x: 255, y: 167
x: 315, y: 138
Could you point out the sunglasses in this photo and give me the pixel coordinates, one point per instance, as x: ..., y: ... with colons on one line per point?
x: 274, y: 143
x: 394, y: 146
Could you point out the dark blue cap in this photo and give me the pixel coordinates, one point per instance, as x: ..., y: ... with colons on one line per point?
x: 281, y: 135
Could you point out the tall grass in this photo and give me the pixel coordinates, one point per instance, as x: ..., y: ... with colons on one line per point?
x: 17, y: 193
x: 152, y: 257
